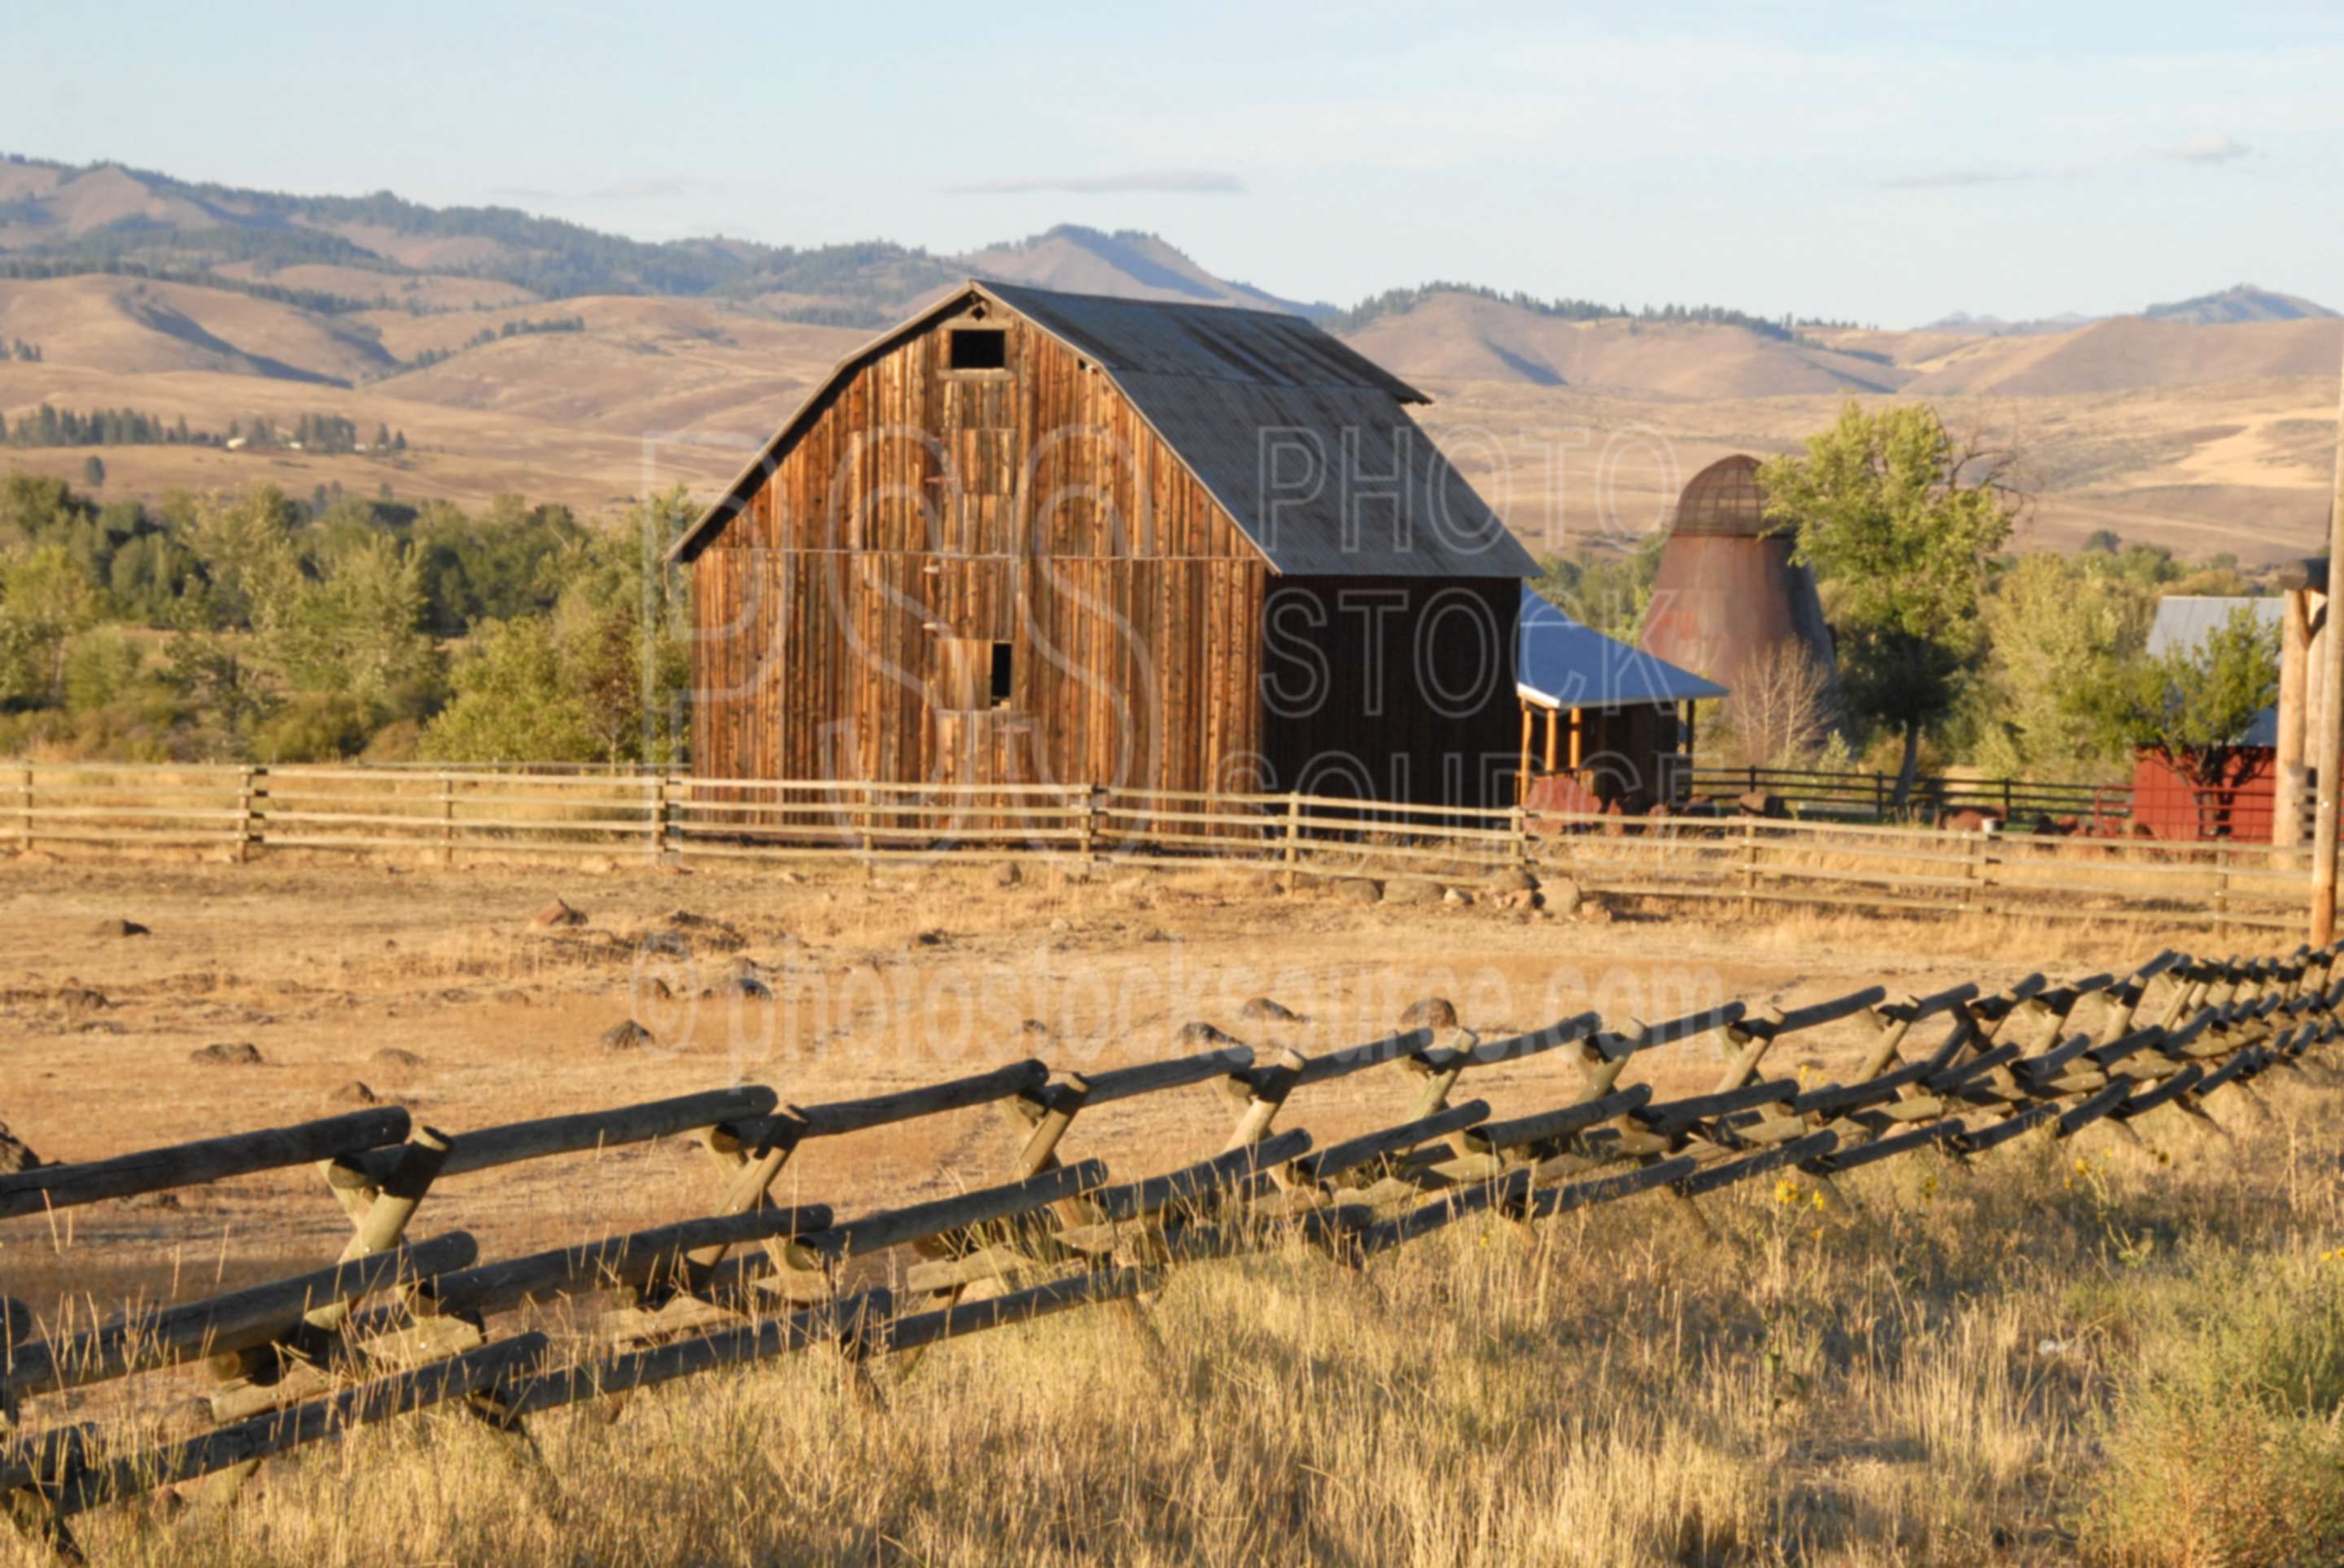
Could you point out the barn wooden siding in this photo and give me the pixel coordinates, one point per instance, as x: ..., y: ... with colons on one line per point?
x: 903, y: 516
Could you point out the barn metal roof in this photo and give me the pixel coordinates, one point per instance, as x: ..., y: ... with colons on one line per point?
x: 1302, y: 439
x: 1199, y: 342
x: 1559, y: 663
x: 2185, y: 621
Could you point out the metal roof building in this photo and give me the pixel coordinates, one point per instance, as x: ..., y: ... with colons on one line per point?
x: 1034, y: 536
x: 1297, y: 436
x: 2184, y: 621
x: 1559, y: 663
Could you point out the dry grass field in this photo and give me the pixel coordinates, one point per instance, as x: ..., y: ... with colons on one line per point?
x: 2126, y: 1353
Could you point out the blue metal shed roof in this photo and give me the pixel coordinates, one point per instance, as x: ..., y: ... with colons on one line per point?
x: 1559, y: 663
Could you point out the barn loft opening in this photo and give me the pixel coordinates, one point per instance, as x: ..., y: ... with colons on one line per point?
x: 1004, y: 674
x: 978, y: 348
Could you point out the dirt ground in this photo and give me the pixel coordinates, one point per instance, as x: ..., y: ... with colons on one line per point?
x: 876, y: 984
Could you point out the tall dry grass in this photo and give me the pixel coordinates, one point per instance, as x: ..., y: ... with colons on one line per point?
x: 2096, y: 1350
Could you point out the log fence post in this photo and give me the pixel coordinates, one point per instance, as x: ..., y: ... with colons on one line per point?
x: 447, y: 819
x: 1749, y: 867
x: 1293, y: 837
x: 25, y: 805
x: 254, y: 1382
x: 244, y: 828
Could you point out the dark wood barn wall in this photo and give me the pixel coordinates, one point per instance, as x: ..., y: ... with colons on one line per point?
x: 1392, y: 689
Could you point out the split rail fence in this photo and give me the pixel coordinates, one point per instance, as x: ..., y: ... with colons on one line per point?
x: 397, y: 1324
x: 662, y: 817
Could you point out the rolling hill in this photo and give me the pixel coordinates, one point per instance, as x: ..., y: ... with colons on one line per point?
x: 522, y: 353
x: 2244, y: 302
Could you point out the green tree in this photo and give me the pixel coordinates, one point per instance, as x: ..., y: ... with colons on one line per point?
x: 212, y: 674
x: 354, y: 632
x: 93, y: 472
x: 2062, y: 634
x: 1607, y: 591
x: 243, y: 545
x: 100, y: 665
x: 2193, y: 704
x: 511, y: 702
x: 1898, y: 522
x: 44, y: 600
x: 599, y: 678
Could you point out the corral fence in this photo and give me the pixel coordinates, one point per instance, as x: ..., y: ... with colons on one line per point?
x: 395, y: 1325
x: 1863, y: 795
x: 666, y: 817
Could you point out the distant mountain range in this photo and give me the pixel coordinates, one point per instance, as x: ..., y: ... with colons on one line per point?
x: 339, y: 254
x: 2240, y: 303
x: 532, y: 356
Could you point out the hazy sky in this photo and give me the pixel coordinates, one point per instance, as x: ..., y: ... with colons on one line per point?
x: 1884, y: 162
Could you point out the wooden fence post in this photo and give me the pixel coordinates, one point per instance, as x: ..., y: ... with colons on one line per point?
x: 24, y: 802
x: 1092, y: 796
x: 1974, y: 875
x: 447, y: 819
x: 1293, y: 836
x: 244, y: 833
x: 1749, y: 867
x: 2221, y: 888
x: 659, y: 814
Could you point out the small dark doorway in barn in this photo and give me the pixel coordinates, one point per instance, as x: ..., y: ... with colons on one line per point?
x: 1004, y: 674
x: 980, y: 736
x: 974, y: 672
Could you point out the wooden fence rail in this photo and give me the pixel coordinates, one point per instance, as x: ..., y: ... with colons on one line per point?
x: 1731, y: 865
x: 392, y: 1328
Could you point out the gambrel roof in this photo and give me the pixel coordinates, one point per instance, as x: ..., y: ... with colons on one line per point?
x: 1253, y: 402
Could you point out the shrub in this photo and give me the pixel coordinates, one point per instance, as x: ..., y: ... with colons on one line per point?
x: 314, y: 726
x: 2226, y: 1440
x: 100, y: 665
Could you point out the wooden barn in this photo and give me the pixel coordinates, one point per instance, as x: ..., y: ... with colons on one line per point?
x: 1035, y: 537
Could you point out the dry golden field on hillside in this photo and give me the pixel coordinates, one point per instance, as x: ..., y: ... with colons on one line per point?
x: 2131, y: 1353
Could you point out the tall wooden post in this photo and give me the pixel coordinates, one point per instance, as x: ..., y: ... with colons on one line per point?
x: 2330, y: 760
x: 1522, y: 777
x: 244, y: 834
x: 2294, y: 683
x: 1293, y: 836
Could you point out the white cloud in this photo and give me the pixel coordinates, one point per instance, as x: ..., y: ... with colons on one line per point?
x: 2207, y: 150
